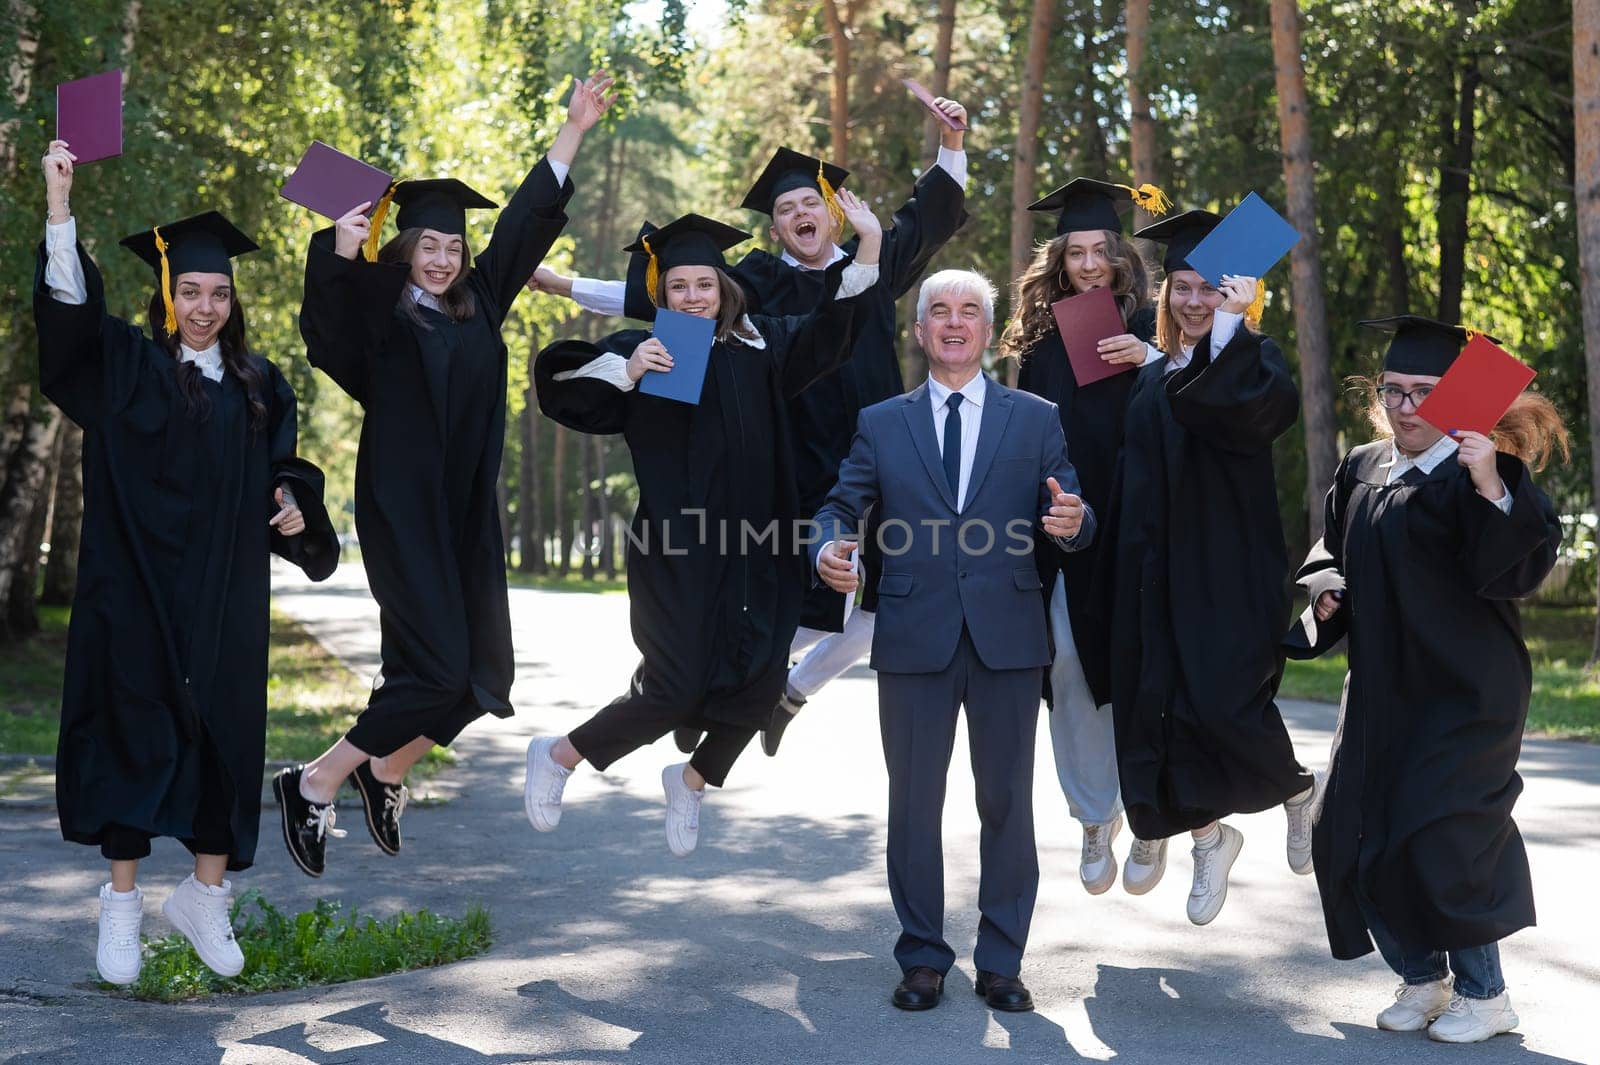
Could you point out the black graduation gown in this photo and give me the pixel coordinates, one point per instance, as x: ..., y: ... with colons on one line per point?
x: 1200, y: 597
x: 1092, y: 419
x: 166, y: 670
x: 822, y: 418
x: 714, y: 624
x: 431, y: 441
x: 1417, y: 814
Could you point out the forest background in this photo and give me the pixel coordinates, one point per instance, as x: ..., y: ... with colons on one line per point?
x: 1433, y: 153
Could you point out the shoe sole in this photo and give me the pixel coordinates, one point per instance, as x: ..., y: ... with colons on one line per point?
x: 666, y: 789
x: 1148, y: 885
x: 1416, y: 1026
x: 1109, y: 877
x: 983, y: 993
x: 528, y: 805
x: 366, y: 808
x: 1234, y: 841
x: 119, y: 981
x: 912, y: 1008
x: 288, y: 832
x: 1494, y: 1031
x: 181, y: 922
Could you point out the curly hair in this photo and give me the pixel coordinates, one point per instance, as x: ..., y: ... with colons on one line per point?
x: 1045, y: 281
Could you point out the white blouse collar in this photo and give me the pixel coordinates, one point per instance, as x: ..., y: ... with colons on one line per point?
x: 209, y: 360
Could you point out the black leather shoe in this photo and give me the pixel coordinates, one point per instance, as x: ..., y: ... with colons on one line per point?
x: 384, y: 803
x: 687, y: 739
x: 306, y: 824
x: 920, y: 989
x: 1004, y: 993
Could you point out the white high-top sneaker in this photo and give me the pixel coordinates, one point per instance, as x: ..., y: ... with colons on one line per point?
x: 683, y: 811
x: 118, y: 957
x: 200, y: 912
x: 1097, y: 865
x: 1415, y: 1006
x: 1472, y: 1020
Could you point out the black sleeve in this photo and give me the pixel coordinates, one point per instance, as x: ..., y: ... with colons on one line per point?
x: 1323, y: 571
x: 1142, y: 324
x: 316, y: 549
x: 809, y: 346
x: 1508, y: 555
x: 1240, y: 401
x: 347, y: 308
x: 523, y: 233
x: 89, y: 362
x: 586, y: 404
x: 922, y: 225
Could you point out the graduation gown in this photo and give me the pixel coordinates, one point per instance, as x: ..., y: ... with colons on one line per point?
x: 1200, y: 591
x: 431, y: 440
x: 1092, y: 419
x: 166, y: 669
x: 822, y: 418
x: 714, y: 624
x: 1417, y: 813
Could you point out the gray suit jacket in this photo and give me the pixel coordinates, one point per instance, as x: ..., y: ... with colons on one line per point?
x: 943, y: 569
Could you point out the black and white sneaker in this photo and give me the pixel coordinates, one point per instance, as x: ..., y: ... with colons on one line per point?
x: 384, y: 803
x: 788, y: 706
x: 306, y: 824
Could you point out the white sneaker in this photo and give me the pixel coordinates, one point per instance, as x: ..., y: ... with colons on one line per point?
x: 1211, y: 867
x: 1146, y: 864
x: 1097, y: 865
x: 1302, y: 816
x: 1415, y: 1006
x: 200, y: 912
x: 118, y: 957
x: 541, y: 790
x: 683, y: 811
x: 1472, y: 1020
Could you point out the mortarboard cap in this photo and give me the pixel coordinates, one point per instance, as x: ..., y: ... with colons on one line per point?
x: 437, y: 203
x: 1422, y: 345
x: 1181, y: 234
x: 201, y: 244
x: 1084, y: 204
x: 693, y: 240
x: 789, y: 170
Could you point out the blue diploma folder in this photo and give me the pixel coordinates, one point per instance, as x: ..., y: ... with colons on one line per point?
x: 687, y: 339
x: 1247, y: 243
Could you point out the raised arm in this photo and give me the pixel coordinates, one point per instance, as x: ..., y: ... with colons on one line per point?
x: 932, y: 214
x: 347, y: 307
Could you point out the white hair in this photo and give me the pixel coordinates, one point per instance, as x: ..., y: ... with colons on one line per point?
x: 956, y: 282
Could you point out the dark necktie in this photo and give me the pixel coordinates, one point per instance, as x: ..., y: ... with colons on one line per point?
x: 952, y: 445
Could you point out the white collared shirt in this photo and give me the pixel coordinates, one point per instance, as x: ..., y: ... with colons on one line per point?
x: 971, y: 412
x: 422, y: 297
x: 1443, y: 448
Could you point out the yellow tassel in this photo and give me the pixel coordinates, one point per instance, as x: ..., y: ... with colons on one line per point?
x: 170, y: 323
x: 1472, y: 334
x: 652, y: 271
x: 830, y: 198
x: 1252, y: 313
x: 375, y: 230
x: 1150, y: 198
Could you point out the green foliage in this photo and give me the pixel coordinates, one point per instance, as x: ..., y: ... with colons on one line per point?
x: 319, y: 946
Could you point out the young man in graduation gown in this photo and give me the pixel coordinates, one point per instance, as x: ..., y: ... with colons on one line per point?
x: 961, y: 470
x: 796, y: 192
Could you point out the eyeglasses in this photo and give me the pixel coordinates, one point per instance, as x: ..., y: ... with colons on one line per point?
x: 1394, y: 397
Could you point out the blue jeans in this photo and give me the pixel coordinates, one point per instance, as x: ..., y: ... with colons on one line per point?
x: 1477, y: 969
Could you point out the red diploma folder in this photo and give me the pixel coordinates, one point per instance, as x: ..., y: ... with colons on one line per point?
x: 1478, y: 388
x: 1083, y: 321
x: 927, y: 101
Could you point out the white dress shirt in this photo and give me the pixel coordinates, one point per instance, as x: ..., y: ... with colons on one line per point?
x: 1442, y: 449
x: 972, y: 396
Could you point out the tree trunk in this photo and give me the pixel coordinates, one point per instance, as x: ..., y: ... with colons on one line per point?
x: 1586, y: 196
x: 1392, y: 235
x: 1142, y: 129
x: 558, y: 502
x: 1305, y: 263
x: 528, y: 531
x: 1096, y: 150
x: 1455, y: 183
x: 932, y: 127
x: 590, y: 505
x: 839, y: 123
x: 1025, y: 158
x: 21, y: 501
x: 19, y: 78
x: 66, y: 520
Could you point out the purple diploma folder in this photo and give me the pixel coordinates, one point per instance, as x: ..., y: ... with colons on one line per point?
x: 89, y: 116
x: 331, y: 182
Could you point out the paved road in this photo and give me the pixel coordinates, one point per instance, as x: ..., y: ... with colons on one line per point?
x: 772, y: 943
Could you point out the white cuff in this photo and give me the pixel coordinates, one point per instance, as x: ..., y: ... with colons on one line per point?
x: 1224, y: 326
x: 63, y: 273
x: 560, y: 169
x: 820, y: 554
x: 599, y: 297
x: 612, y: 369
x: 954, y: 163
x: 856, y: 279
x: 1152, y: 354
x: 1504, y: 502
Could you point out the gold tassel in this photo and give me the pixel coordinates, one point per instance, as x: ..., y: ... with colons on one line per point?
x: 830, y: 198
x: 375, y: 230
x: 652, y: 271
x: 1149, y: 198
x: 170, y: 323
x: 1252, y: 313
x: 1472, y: 334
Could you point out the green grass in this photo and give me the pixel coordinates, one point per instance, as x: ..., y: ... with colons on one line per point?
x: 572, y: 582
x: 1566, y: 695
x: 320, y: 946
x: 30, y: 686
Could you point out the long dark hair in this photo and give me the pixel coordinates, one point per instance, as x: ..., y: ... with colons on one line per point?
x: 236, y: 360
x: 457, y: 303
x: 730, y: 308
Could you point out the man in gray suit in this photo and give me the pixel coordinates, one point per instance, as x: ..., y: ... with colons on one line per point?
x: 962, y: 471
